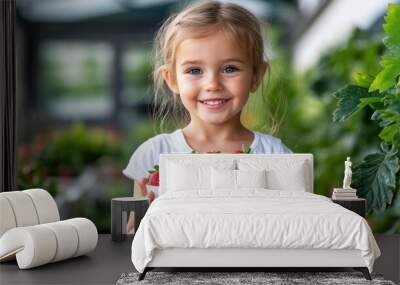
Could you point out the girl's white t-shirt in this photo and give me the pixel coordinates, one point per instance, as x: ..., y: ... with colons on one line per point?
x: 147, y: 154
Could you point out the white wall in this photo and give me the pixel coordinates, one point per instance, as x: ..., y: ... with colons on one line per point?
x: 335, y: 26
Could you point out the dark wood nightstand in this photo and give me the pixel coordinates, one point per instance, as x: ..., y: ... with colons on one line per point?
x: 357, y: 205
x: 121, y: 209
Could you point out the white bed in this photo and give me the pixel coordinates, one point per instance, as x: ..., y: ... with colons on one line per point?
x: 201, y: 220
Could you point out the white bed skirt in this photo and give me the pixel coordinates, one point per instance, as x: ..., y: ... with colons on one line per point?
x: 195, y: 257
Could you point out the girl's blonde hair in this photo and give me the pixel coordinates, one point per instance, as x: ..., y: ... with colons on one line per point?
x: 197, y: 20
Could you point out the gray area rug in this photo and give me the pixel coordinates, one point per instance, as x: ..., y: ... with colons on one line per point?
x: 229, y: 278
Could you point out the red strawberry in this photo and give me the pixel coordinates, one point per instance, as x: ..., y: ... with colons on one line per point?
x: 154, y: 178
x: 238, y: 151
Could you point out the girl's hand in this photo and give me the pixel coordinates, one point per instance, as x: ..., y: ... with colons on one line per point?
x: 130, y: 227
x: 143, y: 190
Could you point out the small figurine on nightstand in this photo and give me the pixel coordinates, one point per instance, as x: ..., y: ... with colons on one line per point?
x: 347, y: 174
x: 347, y: 196
x: 346, y: 192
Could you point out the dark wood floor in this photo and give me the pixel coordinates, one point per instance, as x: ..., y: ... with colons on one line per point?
x: 111, y: 259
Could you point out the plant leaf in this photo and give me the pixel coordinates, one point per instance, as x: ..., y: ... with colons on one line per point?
x: 390, y: 133
x: 363, y: 80
x: 387, y: 77
x: 388, y: 221
x: 375, y: 177
x: 155, y: 168
x: 390, y: 114
x: 349, y: 100
x: 391, y: 28
x: 364, y: 102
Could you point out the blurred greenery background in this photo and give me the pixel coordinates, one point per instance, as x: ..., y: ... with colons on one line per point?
x: 85, y: 102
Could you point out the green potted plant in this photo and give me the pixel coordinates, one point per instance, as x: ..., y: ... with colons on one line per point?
x: 377, y: 177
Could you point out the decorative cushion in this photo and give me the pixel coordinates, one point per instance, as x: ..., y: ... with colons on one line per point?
x: 223, y: 179
x: 183, y: 177
x: 251, y: 178
x: 187, y: 176
x: 285, y: 174
x: 237, y: 179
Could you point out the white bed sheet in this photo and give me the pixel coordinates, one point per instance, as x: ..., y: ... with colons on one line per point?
x: 250, y: 218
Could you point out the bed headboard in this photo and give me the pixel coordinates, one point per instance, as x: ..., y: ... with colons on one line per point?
x: 283, y: 168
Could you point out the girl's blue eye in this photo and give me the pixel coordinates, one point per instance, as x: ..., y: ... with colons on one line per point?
x: 194, y: 71
x: 230, y: 69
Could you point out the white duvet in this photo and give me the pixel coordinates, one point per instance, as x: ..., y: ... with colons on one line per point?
x: 252, y: 218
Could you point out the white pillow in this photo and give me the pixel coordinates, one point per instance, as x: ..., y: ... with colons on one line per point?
x: 294, y: 179
x: 251, y: 178
x: 187, y: 176
x: 223, y: 179
x: 285, y: 174
x: 237, y: 179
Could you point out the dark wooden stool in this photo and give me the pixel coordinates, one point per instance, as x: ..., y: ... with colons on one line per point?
x: 120, y: 212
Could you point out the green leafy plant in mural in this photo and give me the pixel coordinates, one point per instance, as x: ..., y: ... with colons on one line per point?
x: 66, y: 152
x: 377, y: 176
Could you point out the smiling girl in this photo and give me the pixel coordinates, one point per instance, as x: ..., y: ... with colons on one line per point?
x: 210, y: 57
